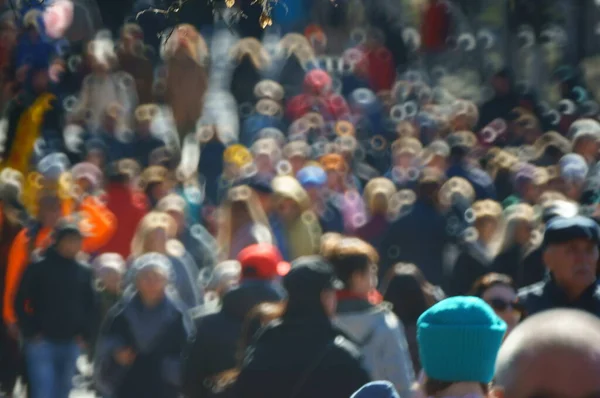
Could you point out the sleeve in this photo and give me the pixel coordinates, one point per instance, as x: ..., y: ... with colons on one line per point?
x: 24, y: 294
x: 395, y: 359
x: 99, y: 224
x: 14, y: 270
x: 107, y: 372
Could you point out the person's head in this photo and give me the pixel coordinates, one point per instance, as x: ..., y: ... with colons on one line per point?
x: 262, y: 261
x: 224, y: 276
x: 436, y: 155
x: 296, y: 152
x: 151, y: 272
x: 144, y: 114
x: 355, y: 264
x: 262, y: 188
x: 527, y: 183
x: 520, y: 226
x: 311, y: 286
x: 458, y: 340
x: 152, y: 233
x: 501, y: 83
x: 87, y: 176
x: 406, y: 288
x: 377, y: 195
x: 571, y: 252
x: 487, y: 214
x: 573, y: 171
x: 175, y: 206
x: 50, y: 210
x: 405, y: 151
x: 313, y: 179
x: 109, y: 269
x: 461, y: 143
x: 67, y: 239
x: 500, y: 292
x: 552, y: 354
x: 291, y: 199
x: 585, y: 136
x: 336, y: 168
x: 429, y: 185
x: 154, y: 180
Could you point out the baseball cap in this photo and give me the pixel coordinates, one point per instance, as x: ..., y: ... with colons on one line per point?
x: 262, y: 261
x: 564, y: 229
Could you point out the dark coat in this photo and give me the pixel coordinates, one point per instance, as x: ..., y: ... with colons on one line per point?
x: 218, y: 335
x: 418, y: 238
x: 155, y: 373
x: 548, y: 295
x: 472, y: 263
x: 56, y: 299
x: 301, y: 358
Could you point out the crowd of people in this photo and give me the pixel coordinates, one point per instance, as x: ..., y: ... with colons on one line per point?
x: 325, y: 198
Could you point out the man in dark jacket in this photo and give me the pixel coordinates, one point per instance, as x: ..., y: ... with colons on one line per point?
x: 302, y: 355
x: 570, y: 253
x: 57, y: 310
x: 219, y: 334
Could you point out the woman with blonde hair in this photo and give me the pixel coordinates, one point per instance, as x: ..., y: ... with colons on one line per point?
x: 242, y: 222
x: 377, y: 196
x: 156, y: 234
x: 518, y: 240
x: 479, y: 246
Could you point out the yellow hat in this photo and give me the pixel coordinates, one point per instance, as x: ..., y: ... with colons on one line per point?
x: 238, y: 155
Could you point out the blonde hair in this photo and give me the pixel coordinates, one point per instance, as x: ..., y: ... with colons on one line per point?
x: 377, y: 195
x: 516, y: 214
x: 254, y: 50
x: 151, y: 222
x: 238, y: 195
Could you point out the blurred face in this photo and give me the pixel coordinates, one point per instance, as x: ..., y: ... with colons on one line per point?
x: 156, y: 240
x: 151, y: 286
x: 40, y: 81
x: 503, y: 300
x: 85, y: 185
x: 297, y: 163
x: 523, y: 232
x: 560, y: 372
x: 111, y: 280
x: 69, y: 246
x: 501, y: 85
x: 404, y: 160
x: 288, y: 210
x: 438, y: 162
x: 335, y: 181
x: 573, y: 264
x: 364, y: 282
x: 329, y: 301
x: 96, y: 158
x: 263, y: 164
x: 49, y: 214
x: 486, y: 228
x: 531, y: 193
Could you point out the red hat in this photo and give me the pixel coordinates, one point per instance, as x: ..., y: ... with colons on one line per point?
x: 262, y: 261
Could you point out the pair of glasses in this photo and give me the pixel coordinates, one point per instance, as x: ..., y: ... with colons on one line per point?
x: 501, y: 305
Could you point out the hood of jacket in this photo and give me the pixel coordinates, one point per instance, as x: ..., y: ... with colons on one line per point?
x: 243, y: 298
x: 359, y: 319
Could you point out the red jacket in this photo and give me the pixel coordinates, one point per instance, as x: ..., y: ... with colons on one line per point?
x: 129, y: 208
x: 435, y: 27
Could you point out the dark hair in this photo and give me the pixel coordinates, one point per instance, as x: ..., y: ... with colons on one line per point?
x: 351, y: 255
x: 433, y: 387
x: 489, y: 280
x: 408, y: 291
x: 258, y: 316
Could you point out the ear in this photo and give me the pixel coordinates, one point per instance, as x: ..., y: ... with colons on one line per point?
x: 58, y: 18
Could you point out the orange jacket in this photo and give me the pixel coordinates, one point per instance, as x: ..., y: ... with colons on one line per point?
x: 98, y: 225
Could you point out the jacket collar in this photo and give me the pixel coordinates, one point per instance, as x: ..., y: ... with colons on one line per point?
x: 588, y: 300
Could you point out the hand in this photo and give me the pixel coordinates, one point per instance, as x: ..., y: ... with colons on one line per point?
x: 124, y: 356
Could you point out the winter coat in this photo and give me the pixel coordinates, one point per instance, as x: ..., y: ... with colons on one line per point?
x: 380, y: 336
x: 301, y: 358
x: 219, y: 335
x: 548, y: 295
x: 158, y: 336
x: 419, y: 238
x: 56, y: 299
x: 129, y: 208
x: 473, y: 262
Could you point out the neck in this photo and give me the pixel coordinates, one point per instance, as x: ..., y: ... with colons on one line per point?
x: 573, y: 293
x: 151, y: 302
x: 461, y: 390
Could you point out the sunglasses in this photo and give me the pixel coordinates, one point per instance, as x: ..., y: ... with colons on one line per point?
x: 500, y: 305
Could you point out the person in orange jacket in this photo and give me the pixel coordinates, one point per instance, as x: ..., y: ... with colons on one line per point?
x: 96, y: 222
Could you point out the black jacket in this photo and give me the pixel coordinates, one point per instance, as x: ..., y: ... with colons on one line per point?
x: 301, y: 358
x: 218, y: 335
x: 56, y: 299
x: 548, y: 295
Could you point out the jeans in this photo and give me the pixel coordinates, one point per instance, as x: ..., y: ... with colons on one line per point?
x: 51, y: 366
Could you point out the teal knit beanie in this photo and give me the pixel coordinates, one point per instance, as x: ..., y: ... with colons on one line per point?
x: 459, y: 339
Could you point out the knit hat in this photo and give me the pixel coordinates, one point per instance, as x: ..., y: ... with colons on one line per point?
x: 459, y: 339
x: 377, y: 389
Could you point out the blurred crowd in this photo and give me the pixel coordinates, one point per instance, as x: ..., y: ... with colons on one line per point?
x: 299, y: 198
